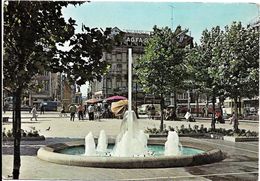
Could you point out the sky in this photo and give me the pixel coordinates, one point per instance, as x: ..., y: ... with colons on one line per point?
x: 134, y: 15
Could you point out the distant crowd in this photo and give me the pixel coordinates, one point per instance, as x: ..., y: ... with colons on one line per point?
x: 90, y: 112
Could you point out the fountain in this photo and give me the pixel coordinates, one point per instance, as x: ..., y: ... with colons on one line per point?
x: 102, y: 142
x: 131, y: 147
x: 90, y: 146
x: 172, y: 144
x: 131, y: 141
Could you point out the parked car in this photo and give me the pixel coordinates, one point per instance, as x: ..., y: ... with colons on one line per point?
x: 50, y: 105
x: 26, y: 108
x: 143, y: 109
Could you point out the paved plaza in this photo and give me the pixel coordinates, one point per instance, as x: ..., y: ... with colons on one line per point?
x: 241, y: 162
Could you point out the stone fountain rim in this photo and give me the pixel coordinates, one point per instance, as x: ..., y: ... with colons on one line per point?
x: 211, y: 155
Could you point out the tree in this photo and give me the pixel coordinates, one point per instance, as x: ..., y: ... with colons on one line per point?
x: 240, y: 63
x: 32, y: 31
x: 161, y: 66
x: 203, y: 65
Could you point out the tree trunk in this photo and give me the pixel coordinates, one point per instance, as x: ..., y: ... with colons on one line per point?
x: 175, y: 104
x: 17, y: 132
x: 197, y: 103
x: 162, y: 106
x: 213, y: 120
x: 239, y: 107
x: 189, y: 99
x: 236, y: 113
x: 207, y: 107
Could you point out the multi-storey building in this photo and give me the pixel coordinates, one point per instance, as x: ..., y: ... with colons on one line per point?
x: 52, y: 87
x: 115, y: 81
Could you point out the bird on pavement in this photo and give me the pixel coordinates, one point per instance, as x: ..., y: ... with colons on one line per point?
x: 48, y: 129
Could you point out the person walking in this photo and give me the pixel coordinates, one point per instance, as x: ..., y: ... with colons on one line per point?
x: 34, y: 113
x: 153, y: 112
x: 91, y: 111
x: 6, y: 105
x: 80, y: 112
x: 63, y: 112
x: 72, y: 110
x: 42, y: 108
x: 234, y: 120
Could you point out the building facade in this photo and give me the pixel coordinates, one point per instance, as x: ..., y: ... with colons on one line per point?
x: 115, y: 81
x: 52, y: 87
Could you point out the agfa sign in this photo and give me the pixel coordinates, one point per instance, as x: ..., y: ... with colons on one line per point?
x: 136, y: 39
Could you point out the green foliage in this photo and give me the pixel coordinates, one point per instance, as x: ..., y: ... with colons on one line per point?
x: 161, y: 67
x: 32, y: 32
x: 155, y: 131
x: 226, y: 63
x: 203, y: 62
x: 24, y: 133
x: 240, y: 61
x: 200, y: 130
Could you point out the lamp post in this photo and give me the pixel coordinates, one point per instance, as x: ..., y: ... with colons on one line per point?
x: 171, y: 16
x: 135, y: 77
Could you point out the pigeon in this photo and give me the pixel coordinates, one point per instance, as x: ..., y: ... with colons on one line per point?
x: 48, y: 129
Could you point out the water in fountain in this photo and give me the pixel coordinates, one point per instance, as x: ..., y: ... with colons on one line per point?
x: 172, y: 144
x: 102, y: 142
x: 90, y: 146
x: 131, y: 141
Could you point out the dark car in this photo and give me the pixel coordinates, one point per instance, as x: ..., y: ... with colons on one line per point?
x: 26, y: 108
x: 50, y: 105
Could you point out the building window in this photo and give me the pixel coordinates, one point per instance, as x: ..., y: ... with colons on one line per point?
x: 119, y: 57
x: 108, y: 57
x: 46, y: 85
x: 124, y: 58
x: 119, y: 68
x: 118, y: 81
x: 109, y: 83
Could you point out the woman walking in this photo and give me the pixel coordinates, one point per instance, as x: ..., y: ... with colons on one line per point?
x: 34, y: 113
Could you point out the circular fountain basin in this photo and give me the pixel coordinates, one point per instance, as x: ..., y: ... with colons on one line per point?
x: 208, y: 155
x: 153, y: 150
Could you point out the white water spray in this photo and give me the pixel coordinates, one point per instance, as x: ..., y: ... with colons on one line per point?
x: 102, y: 142
x: 172, y: 144
x: 90, y: 146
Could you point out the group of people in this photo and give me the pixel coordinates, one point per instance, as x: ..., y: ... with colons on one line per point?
x: 82, y: 110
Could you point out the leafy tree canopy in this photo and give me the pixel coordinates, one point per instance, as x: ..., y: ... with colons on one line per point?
x: 161, y: 67
x: 32, y: 31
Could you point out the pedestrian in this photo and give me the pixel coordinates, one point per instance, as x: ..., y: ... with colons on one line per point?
x: 98, y: 112
x: 72, y: 110
x: 204, y: 112
x: 42, y: 108
x: 149, y: 111
x: 153, y: 112
x: 80, y: 112
x: 91, y: 111
x: 234, y: 120
x: 188, y: 116
x: 34, y: 113
x: 6, y: 105
x: 62, y: 112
